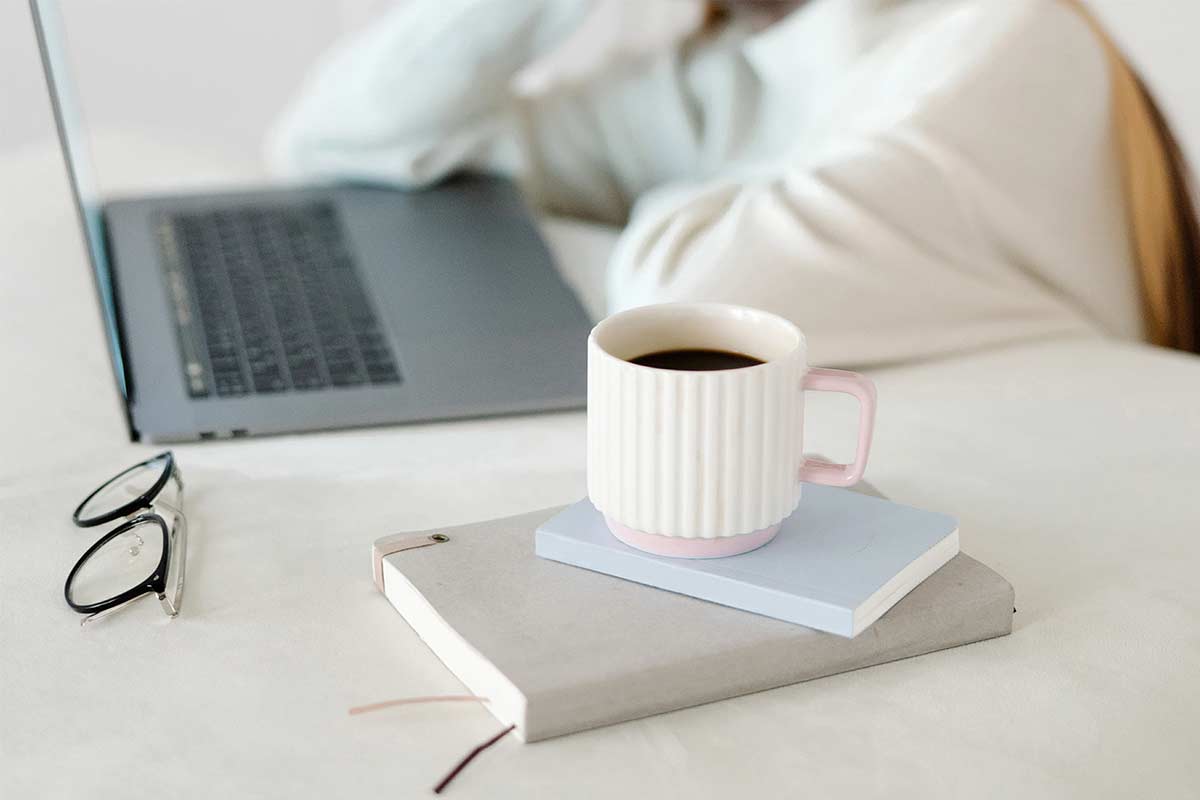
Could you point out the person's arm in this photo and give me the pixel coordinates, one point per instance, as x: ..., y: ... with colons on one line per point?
x: 423, y: 91
x: 969, y: 196
x: 870, y: 254
x: 429, y: 90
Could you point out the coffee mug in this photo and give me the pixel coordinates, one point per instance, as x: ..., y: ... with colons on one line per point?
x: 696, y: 425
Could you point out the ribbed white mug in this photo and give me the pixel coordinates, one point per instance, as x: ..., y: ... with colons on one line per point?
x: 702, y: 464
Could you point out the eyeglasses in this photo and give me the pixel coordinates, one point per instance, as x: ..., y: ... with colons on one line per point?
x: 143, y: 555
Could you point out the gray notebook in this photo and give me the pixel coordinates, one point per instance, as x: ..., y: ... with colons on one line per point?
x: 839, y: 562
x: 558, y: 649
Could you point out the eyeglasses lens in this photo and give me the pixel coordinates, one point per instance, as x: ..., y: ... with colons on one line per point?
x: 123, y: 562
x: 124, y: 488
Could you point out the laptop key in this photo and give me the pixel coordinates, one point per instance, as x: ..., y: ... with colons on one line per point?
x: 383, y: 373
x: 279, y: 301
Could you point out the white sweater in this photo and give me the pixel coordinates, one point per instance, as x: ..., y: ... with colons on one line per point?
x: 902, y: 179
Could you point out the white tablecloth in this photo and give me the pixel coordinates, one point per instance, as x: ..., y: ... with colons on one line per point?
x: 1073, y: 466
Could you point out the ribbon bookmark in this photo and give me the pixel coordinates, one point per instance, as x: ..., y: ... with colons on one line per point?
x: 394, y: 544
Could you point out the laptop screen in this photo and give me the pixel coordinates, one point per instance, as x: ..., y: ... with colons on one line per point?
x: 48, y: 24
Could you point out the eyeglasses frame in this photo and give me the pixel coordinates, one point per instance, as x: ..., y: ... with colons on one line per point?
x: 141, y: 510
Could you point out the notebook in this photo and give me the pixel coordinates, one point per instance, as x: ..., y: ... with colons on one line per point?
x: 839, y: 562
x: 558, y: 649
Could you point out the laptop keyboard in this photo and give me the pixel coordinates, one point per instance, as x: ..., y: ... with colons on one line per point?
x: 268, y: 299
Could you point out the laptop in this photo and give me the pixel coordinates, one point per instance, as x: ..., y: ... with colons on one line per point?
x: 319, y: 307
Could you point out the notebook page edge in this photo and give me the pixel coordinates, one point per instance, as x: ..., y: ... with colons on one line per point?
x: 909, y: 578
x: 506, y: 702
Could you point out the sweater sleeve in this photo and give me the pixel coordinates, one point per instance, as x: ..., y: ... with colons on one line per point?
x: 422, y: 92
x: 427, y: 90
x: 964, y: 194
x: 872, y: 254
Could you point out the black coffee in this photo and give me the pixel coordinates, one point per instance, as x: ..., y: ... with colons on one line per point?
x: 695, y: 360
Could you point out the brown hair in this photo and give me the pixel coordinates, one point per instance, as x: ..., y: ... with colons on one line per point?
x: 1162, y: 216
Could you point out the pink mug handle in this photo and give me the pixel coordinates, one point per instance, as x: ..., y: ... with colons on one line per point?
x: 837, y: 380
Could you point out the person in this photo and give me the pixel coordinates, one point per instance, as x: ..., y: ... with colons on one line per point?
x: 904, y: 179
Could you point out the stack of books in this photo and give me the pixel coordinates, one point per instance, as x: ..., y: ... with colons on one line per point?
x: 563, y: 628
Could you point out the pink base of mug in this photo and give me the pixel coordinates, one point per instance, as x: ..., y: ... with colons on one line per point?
x: 684, y: 547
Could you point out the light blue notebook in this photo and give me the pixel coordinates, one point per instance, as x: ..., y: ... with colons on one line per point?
x: 840, y: 561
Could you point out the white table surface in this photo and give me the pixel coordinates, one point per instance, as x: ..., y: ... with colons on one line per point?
x: 1073, y: 465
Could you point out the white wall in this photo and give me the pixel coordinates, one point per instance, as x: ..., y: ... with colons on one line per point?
x: 217, y: 70
x: 199, y: 68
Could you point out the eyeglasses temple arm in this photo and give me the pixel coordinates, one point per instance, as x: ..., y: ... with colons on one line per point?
x: 171, y: 605
x: 110, y: 611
